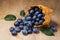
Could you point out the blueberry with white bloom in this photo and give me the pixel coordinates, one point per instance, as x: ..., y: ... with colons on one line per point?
x: 34, y: 17
x: 41, y: 21
x: 31, y: 11
x: 21, y: 27
x: 25, y: 28
x: 28, y: 18
x: 16, y: 23
x: 17, y: 29
x: 19, y: 20
x: 36, y: 23
x: 35, y: 30
x: 25, y: 32
x: 11, y: 29
x: 53, y: 27
x: 14, y: 33
x: 37, y: 12
x: 29, y: 31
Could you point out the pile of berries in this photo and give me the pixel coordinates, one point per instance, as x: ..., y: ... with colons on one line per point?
x: 35, y: 17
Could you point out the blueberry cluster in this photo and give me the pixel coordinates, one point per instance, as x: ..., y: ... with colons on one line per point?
x: 35, y: 17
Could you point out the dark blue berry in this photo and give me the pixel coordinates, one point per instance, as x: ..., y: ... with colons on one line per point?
x: 36, y: 23
x: 31, y: 11
x: 29, y: 31
x: 21, y: 27
x: 54, y: 28
x: 33, y: 21
x: 11, y: 29
x: 37, y: 12
x: 19, y: 20
x: 14, y: 33
x: 35, y: 30
x: 39, y: 15
x: 34, y: 17
x: 25, y: 28
x: 16, y: 23
x: 28, y: 18
x: 41, y: 21
x: 17, y: 29
x: 37, y: 19
x: 25, y: 32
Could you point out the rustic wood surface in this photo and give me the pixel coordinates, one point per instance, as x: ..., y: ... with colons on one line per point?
x: 14, y: 7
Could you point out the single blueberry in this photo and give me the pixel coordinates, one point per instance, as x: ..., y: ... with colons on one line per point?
x: 37, y: 19
x: 53, y: 27
x: 36, y: 23
x: 29, y: 23
x: 25, y: 28
x: 19, y: 20
x: 11, y: 29
x: 17, y: 29
x: 39, y: 15
x: 33, y: 21
x: 34, y: 17
x: 31, y: 11
x: 14, y: 33
x: 25, y: 32
x: 16, y: 23
x: 21, y: 27
x: 22, y: 23
x: 41, y: 21
x: 25, y: 22
x: 28, y: 18
x: 37, y: 12
x: 35, y: 30
x: 29, y: 31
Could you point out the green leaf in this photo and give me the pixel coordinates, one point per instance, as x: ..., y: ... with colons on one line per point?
x: 48, y: 31
x: 22, y: 13
x: 10, y: 17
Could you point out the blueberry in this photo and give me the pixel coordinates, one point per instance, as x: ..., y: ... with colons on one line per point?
x: 25, y: 22
x: 16, y: 23
x: 29, y: 23
x: 35, y: 30
x: 37, y: 19
x: 41, y: 21
x: 39, y: 15
x: 29, y: 31
x: 36, y: 23
x: 19, y: 20
x: 31, y: 11
x: 14, y: 33
x: 28, y: 18
x: 54, y: 28
x: 34, y: 17
x: 21, y: 27
x: 17, y: 29
x: 25, y: 28
x: 37, y: 12
x: 22, y: 23
x: 11, y: 29
x: 25, y: 32
x: 33, y: 21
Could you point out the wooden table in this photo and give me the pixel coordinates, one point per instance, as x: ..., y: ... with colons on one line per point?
x: 14, y: 7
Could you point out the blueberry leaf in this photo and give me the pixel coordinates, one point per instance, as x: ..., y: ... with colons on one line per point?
x: 10, y: 17
x: 48, y: 31
x: 22, y: 13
